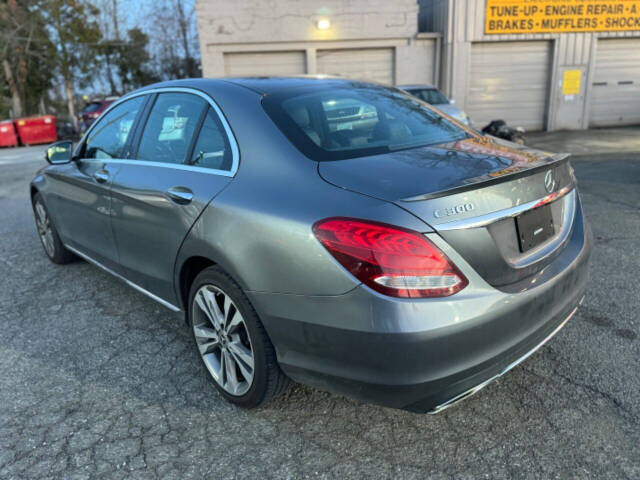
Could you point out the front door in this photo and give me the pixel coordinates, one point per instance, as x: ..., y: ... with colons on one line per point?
x: 82, y: 201
x: 183, y: 159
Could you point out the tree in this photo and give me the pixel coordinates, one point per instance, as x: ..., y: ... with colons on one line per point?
x: 76, y: 37
x: 25, y: 54
x: 186, y: 29
x: 175, y: 39
x: 133, y: 61
x: 109, y: 19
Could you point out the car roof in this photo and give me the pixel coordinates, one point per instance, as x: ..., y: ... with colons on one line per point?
x: 262, y: 85
x: 266, y: 85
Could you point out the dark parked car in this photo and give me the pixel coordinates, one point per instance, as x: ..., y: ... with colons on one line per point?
x: 403, y: 260
x: 92, y: 111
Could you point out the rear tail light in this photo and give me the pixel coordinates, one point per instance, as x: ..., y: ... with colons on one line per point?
x: 390, y: 260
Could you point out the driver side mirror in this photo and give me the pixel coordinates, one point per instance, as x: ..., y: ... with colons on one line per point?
x: 59, y: 152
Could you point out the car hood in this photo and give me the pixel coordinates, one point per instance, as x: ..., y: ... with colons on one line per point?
x: 437, y: 170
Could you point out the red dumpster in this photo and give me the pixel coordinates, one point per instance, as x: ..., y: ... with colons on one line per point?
x: 8, y: 137
x: 36, y: 130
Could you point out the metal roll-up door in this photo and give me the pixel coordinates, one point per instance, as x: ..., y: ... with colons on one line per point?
x: 615, y: 90
x: 509, y: 81
x: 264, y: 63
x: 374, y: 64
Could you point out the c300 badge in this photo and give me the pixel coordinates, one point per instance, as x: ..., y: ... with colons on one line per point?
x: 456, y: 210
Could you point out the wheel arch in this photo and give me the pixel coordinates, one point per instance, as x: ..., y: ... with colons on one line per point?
x: 33, y: 190
x: 189, y: 270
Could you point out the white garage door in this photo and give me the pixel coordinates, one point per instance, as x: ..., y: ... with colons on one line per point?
x: 264, y: 63
x: 615, y: 91
x: 509, y: 81
x: 374, y: 64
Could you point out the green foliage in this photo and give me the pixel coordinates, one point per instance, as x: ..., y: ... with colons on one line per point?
x: 51, y: 48
x: 131, y: 59
x: 75, y: 34
x: 5, y: 104
x: 28, y: 51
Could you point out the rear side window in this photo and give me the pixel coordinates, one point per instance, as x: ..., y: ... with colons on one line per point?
x: 107, y: 139
x: 170, y: 128
x: 340, y: 123
x: 212, y: 149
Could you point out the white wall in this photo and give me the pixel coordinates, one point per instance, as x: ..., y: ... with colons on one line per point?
x: 254, y: 21
x: 226, y: 26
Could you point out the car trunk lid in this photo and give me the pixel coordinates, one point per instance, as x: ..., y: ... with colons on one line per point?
x: 471, y: 193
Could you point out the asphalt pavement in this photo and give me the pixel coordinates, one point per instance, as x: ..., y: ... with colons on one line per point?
x: 98, y: 381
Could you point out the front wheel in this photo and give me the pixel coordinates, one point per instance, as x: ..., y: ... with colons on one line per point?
x: 48, y: 234
x: 232, y: 341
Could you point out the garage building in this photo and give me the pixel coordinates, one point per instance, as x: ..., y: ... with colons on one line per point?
x: 538, y: 78
x: 540, y: 75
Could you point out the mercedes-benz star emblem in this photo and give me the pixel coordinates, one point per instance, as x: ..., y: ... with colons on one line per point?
x: 549, y: 181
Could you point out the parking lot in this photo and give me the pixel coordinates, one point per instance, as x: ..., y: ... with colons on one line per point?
x: 96, y: 380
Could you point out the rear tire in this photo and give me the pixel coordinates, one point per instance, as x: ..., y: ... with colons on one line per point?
x: 232, y: 342
x: 48, y: 234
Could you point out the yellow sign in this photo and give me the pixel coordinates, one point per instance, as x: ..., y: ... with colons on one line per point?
x: 555, y: 16
x: 571, y: 82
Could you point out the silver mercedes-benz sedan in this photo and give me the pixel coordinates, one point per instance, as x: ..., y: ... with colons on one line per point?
x: 340, y: 234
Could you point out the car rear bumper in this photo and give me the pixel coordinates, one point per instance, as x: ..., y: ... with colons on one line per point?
x: 422, y: 355
x: 483, y: 383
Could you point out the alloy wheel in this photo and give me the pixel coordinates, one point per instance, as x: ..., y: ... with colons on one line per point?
x: 45, y: 231
x: 223, y: 340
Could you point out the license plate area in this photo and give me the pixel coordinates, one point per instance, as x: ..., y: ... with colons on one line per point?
x: 534, y: 227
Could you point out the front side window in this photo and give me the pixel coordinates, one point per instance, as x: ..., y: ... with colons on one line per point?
x: 340, y: 123
x: 429, y: 95
x: 170, y: 128
x: 212, y: 149
x: 110, y: 134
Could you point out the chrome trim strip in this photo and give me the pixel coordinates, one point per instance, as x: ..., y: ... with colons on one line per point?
x: 483, y: 220
x: 144, y: 163
x: 235, y: 150
x: 125, y: 280
x: 480, y: 386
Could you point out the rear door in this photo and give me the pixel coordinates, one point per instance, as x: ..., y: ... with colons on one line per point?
x: 185, y: 154
x: 81, y: 194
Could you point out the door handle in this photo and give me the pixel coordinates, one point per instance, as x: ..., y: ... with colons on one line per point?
x: 181, y: 195
x: 101, y: 176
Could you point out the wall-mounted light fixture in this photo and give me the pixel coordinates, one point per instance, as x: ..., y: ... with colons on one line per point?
x: 323, y: 24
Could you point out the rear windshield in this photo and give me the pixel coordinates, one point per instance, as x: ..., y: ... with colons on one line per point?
x: 340, y: 123
x: 429, y: 95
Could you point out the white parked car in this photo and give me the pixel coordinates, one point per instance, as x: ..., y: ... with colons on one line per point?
x: 433, y: 96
